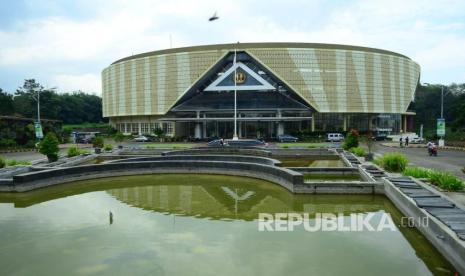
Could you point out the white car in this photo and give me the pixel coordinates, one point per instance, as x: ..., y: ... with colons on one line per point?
x: 334, y: 137
x: 416, y: 140
x: 141, y: 139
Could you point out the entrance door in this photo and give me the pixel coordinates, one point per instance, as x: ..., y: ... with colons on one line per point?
x: 225, y: 130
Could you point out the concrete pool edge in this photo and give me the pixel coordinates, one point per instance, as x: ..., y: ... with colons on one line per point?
x: 440, y: 235
x: 49, y: 177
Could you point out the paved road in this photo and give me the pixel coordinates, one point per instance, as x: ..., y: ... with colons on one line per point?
x: 32, y: 155
x: 447, y: 160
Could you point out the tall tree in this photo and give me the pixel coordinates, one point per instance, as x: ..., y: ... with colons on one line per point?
x: 6, y: 103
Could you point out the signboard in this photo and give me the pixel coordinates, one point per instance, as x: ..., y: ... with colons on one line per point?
x: 38, y: 130
x: 441, y: 127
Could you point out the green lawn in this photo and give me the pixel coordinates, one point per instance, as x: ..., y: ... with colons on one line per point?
x: 169, y: 145
x: 86, y: 125
x: 302, y: 145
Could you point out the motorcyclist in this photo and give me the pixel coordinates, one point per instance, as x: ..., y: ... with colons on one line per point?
x: 432, y: 149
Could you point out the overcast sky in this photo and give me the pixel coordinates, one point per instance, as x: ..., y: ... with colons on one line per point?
x: 66, y: 44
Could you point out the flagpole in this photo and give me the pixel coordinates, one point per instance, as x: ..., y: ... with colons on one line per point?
x: 235, y: 97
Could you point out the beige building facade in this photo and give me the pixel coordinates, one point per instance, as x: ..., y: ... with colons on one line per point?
x: 281, y: 88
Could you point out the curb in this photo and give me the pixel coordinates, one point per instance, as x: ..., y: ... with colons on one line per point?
x: 422, y: 146
x: 17, y: 150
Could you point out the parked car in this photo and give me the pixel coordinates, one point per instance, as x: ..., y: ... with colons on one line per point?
x: 334, y: 137
x: 416, y: 140
x: 287, y: 138
x: 237, y: 143
x: 141, y: 139
x: 380, y: 137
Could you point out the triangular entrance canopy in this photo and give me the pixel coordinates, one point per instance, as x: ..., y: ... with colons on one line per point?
x: 215, y: 85
x: 246, y: 79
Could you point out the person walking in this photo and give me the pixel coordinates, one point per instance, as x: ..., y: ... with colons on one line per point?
x: 400, y: 142
x: 406, y: 141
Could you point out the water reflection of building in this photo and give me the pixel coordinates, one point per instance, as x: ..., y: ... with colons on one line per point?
x: 223, y: 202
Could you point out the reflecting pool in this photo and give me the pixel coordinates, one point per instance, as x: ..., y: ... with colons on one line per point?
x: 197, y: 225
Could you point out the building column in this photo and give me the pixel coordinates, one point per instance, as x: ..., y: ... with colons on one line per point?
x: 313, y: 123
x: 198, y: 128
x: 404, y: 124
x: 140, y: 128
x: 239, y: 125
x: 345, y: 122
x: 370, y: 122
x: 204, y: 127
x: 280, y: 130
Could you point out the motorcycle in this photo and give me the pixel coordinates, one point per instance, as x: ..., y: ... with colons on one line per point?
x: 433, y: 150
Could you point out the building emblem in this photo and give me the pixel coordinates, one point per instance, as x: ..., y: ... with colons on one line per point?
x: 245, y: 79
x: 240, y: 77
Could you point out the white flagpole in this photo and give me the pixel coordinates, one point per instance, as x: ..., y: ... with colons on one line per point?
x: 235, y: 98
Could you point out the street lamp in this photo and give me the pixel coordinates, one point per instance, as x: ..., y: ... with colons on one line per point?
x: 441, y: 141
x: 37, y: 125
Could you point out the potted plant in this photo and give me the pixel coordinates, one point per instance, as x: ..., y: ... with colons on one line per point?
x: 97, y: 143
x: 49, y: 147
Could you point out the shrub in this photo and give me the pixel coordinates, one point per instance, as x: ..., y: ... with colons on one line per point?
x: 358, y: 151
x: 52, y: 157
x: 443, y: 180
x: 108, y: 147
x: 49, y: 147
x: 7, y: 143
x: 446, y: 181
x: 97, y: 142
x: 285, y: 147
x: 119, y: 137
x: 417, y: 172
x: 393, y: 162
x: 74, y: 151
x: 2, y: 162
x: 351, y: 140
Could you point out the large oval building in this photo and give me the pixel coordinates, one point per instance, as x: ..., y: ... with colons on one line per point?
x: 281, y: 88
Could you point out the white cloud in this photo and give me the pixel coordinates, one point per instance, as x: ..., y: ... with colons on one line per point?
x: 71, y: 52
x: 85, y: 82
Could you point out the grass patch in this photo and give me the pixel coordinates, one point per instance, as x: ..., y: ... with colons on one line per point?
x: 87, y: 125
x: 75, y: 151
x: 417, y: 172
x: 392, y: 162
x: 358, y: 151
x: 108, y: 147
x: 169, y: 145
x: 446, y: 181
x: 302, y: 145
x: 13, y: 162
x: 443, y: 180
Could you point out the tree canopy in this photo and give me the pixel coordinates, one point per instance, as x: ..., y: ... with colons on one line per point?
x: 71, y: 108
x: 427, y: 106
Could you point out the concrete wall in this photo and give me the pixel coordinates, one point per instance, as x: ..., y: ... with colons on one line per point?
x: 441, y: 236
x: 221, y: 151
x: 227, y: 158
x: 39, y: 179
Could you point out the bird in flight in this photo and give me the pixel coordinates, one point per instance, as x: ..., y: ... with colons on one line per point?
x: 214, y: 17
